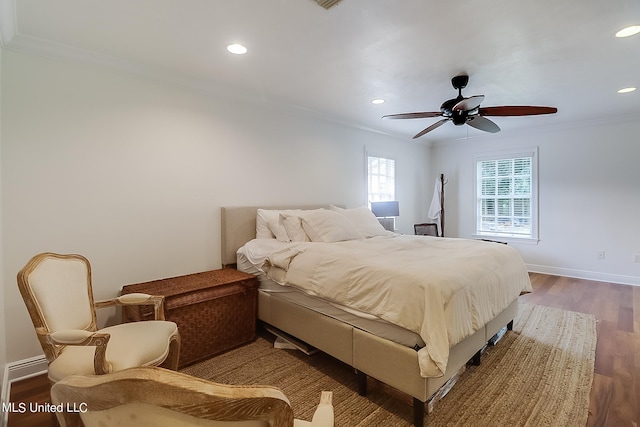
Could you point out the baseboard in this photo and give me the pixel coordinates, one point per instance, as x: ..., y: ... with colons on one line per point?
x: 16, y: 371
x: 583, y: 274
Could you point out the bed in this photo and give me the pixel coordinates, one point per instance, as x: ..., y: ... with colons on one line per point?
x: 419, y: 358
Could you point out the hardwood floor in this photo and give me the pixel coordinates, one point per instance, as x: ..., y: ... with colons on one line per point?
x: 32, y: 390
x: 615, y: 395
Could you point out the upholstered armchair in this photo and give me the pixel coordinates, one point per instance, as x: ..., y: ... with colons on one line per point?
x: 159, y: 397
x: 58, y: 294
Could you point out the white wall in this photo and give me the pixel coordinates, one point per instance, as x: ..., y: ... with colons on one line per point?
x: 3, y: 341
x: 132, y: 173
x: 589, y: 196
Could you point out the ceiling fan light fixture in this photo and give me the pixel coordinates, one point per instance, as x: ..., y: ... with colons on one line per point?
x: 237, y: 49
x: 628, y: 31
x: 626, y: 89
x: 462, y: 110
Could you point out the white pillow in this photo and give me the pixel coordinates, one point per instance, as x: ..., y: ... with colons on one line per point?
x: 262, y: 227
x: 281, y: 224
x: 270, y: 219
x: 328, y: 226
x: 293, y: 225
x: 363, y: 220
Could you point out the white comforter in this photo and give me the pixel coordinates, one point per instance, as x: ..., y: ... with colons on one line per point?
x: 441, y: 288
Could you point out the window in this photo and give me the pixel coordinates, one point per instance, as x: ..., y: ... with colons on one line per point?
x: 381, y: 179
x: 506, y: 195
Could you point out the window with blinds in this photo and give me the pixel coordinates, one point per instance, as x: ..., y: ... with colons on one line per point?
x: 381, y: 179
x: 506, y: 195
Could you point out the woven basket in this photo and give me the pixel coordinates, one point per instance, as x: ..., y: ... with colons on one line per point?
x: 215, y: 310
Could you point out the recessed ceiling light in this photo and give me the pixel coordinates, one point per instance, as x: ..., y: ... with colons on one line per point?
x: 377, y: 101
x: 627, y: 90
x: 237, y: 49
x: 629, y: 31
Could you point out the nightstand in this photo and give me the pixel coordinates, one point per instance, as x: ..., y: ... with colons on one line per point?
x: 215, y: 310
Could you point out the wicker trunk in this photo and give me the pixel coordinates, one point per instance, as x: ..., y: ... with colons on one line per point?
x: 215, y: 310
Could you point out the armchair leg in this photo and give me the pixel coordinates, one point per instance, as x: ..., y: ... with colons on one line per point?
x: 53, y: 415
x: 174, y: 354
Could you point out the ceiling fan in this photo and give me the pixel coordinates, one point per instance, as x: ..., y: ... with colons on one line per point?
x: 461, y: 110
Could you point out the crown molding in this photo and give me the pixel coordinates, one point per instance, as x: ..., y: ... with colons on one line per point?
x: 48, y: 48
x: 8, y: 22
x: 550, y: 127
x: 11, y: 38
x: 58, y: 51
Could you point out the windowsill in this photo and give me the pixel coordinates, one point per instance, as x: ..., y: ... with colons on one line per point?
x: 507, y: 239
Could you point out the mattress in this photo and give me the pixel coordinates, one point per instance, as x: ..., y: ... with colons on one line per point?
x: 355, y: 318
x: 442, y: 289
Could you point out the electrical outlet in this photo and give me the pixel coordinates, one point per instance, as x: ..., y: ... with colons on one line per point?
x: 636, y: 258
x: 600, y: 255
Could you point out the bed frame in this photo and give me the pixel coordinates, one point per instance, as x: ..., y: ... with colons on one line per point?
x: 384, y: 360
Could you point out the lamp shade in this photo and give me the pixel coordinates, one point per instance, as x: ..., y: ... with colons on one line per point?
x: 385, y: 209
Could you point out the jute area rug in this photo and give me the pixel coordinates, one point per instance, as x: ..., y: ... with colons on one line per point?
x: 539, y: 374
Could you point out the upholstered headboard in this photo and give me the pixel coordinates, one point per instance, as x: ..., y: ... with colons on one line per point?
x: 239, y: 226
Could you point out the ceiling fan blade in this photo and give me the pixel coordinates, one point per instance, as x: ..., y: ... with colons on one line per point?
x: 422, y: 115
x: 481, y: 123
x: 432, y: 127
x: 516, y: 110
x: 468, y: 104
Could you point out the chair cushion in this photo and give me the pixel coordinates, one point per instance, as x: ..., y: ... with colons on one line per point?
x: 131, y: 345
x: 69, y: 277
x: 147, y: 415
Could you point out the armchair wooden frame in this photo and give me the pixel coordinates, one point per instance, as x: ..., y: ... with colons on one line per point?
x: 54, y: 342
x: 162, y: 397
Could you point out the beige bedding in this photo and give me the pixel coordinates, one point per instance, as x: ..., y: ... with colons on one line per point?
x: 443, y: 289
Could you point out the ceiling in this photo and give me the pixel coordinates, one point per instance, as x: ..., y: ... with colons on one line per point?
x: 334, y: 62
